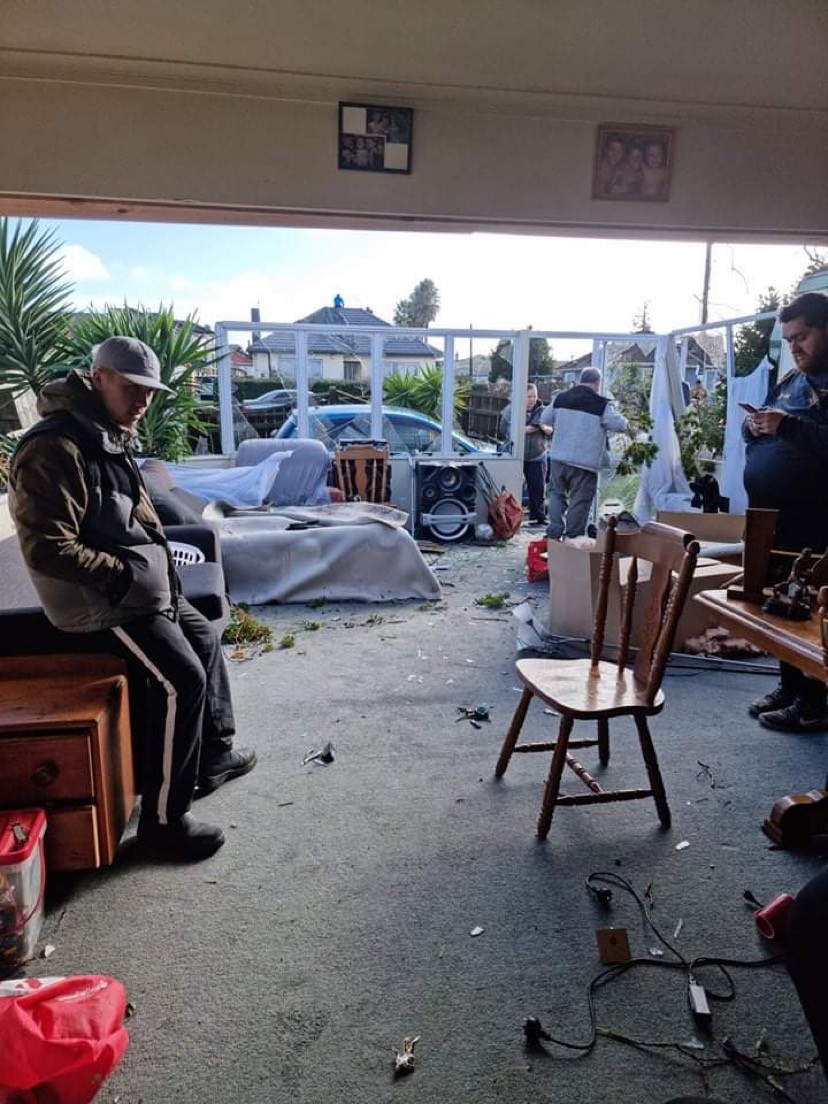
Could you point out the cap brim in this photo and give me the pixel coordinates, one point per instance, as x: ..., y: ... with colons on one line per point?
x: 143, y: 381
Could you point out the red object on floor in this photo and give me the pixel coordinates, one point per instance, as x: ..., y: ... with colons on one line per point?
x: 60, y: 1039
x: 537, y: 565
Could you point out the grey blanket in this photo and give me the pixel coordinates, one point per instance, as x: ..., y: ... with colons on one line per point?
x: 344, y: 551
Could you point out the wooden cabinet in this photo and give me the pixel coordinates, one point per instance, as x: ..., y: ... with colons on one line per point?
x: 65, y: 745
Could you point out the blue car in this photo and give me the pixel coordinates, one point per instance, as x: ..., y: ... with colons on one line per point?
x: 407, y: 431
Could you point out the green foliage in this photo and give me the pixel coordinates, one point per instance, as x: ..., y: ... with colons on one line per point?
x: 173, y: 419
x: 287, y: 641
x: 541, y: 361
x: 631, y: 395
x: 244, y: 628
x: 422, y: 391
x: 753, y: 339
x: 421, y: 306
x: 701, y: 429
x: 34, y: 307
x: 493, y: 601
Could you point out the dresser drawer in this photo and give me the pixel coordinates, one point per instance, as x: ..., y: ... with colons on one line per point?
x: 42, y: 769
x: 72, y: 841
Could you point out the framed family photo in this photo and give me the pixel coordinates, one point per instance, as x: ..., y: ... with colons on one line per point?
x: 633, y: 163
x: 374, y: 138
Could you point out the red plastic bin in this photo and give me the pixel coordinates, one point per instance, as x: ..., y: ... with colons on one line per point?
x: 22, y: 885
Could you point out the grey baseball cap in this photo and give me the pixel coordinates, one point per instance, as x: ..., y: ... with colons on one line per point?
x: 131, y: 359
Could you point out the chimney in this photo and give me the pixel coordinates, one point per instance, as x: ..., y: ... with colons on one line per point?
x: 255, y: 316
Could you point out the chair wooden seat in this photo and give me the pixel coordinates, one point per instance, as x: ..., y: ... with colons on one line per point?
x: 594, y: 689
x: 571, y: 686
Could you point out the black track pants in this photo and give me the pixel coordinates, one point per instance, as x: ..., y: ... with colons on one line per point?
x: 188, y: 718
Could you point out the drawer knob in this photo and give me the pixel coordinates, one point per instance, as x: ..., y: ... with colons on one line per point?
x: 46, y: 773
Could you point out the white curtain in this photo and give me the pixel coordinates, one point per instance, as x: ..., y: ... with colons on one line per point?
x: 663, y: 484
x: 752, y: 389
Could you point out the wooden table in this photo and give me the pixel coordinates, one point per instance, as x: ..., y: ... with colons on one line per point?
x: 795, y: 642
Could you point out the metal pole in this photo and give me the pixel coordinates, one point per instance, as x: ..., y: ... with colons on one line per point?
x: 225, y: 392
x: 708, y: 257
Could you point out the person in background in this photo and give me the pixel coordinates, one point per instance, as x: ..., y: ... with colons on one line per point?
x: 97, y: 555
x: 581, y: 418
x: 786, y: 469
x: 534, y: 452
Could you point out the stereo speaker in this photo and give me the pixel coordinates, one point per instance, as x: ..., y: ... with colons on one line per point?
x: 446, y: 499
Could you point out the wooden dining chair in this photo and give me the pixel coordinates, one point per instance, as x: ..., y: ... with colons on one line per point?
x: 362, y: 471
x: 597, y: 690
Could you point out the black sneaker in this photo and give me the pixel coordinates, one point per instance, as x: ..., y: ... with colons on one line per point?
x: 232, y: 764
x: 795, y: 718
x: 184, y: 840
x: 776, y: 699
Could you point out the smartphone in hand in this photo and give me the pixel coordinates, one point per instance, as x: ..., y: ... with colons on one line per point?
x: 749, y: 407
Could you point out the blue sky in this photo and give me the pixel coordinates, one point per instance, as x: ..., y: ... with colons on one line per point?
x: 488, y: 281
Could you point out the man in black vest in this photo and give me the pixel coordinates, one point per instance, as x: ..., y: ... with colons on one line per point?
x: 99, y: 560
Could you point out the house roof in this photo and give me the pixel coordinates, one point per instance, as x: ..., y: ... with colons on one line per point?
x: 346, y: 343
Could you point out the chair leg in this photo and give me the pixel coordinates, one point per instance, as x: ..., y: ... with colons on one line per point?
x: 603, y: 741
x: 553, y: 783
x: 653, y: 771
x: 513, y: 733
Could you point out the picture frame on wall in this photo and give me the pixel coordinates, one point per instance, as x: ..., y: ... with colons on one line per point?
x: 373, y: 138
x: 633, y: 163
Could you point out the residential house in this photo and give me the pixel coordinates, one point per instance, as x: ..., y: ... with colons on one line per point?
x: 704, y: 360
x: 341, y: 356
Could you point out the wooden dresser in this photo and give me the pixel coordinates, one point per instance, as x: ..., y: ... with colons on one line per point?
x: 65, y: 745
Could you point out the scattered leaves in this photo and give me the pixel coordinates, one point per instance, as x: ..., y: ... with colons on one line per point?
x: 244, y: 628
x: 493, y: 601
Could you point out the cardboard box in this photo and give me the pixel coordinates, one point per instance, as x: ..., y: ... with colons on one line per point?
x: 721, y: 535
x: 573, y: 590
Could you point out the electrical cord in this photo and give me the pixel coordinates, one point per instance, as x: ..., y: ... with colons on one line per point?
x: 598, y: 884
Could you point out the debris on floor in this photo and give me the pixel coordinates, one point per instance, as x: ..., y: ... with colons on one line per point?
x: 322, y: 755
x: 719, y: 642
x: 404, y: 1059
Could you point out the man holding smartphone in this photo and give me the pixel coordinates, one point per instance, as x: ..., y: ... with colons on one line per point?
x: 786, y: 469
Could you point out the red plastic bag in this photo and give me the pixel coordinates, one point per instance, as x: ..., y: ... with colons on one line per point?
x: 505, y: 515
x: 60, y: 1038
x: 537, y: 563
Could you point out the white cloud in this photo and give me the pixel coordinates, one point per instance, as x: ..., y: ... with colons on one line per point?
x: 82, y: 265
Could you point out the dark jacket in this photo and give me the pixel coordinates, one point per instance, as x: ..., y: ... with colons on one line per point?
x: 89, y: 535
x: 582, y: 418
x: 788, y: 470
x: 534, y: 445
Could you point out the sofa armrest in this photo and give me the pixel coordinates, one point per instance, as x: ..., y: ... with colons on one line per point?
x: 205, y: 537
x: 253, y: 451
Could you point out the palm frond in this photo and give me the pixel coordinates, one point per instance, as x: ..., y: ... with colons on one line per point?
x: 34, y: 306
x: 172, y: 420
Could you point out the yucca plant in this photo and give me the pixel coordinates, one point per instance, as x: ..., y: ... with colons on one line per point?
x: 34, y: 307
x: 172, y: 420
x: 423, y: 391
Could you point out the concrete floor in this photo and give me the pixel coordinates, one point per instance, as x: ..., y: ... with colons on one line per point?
x: 337, y: 918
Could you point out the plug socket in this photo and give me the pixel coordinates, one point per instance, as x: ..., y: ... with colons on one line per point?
x: 697, y: 997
